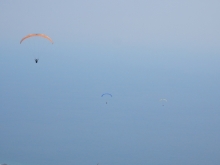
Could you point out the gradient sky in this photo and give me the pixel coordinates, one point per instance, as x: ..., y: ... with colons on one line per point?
x: 139, y: 51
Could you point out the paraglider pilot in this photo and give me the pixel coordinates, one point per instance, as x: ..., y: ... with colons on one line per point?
x: 36, y: 60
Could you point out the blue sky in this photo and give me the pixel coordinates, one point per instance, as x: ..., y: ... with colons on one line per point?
x: 139, y: 51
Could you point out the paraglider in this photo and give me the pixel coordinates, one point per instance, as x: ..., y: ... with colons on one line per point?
x: 36, y: 35
x: 163, y: 101
x: 106, y: 95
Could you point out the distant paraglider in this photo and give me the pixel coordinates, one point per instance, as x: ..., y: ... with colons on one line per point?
x: 36, y: 35
x: 163, y: 101
x: 106, y: 95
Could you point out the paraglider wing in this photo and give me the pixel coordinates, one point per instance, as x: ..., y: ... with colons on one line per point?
x: 36, y: 35
x: 108, y: 94
x: 163, y: 100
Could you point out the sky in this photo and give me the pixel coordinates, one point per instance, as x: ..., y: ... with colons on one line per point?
x: 140, y: 51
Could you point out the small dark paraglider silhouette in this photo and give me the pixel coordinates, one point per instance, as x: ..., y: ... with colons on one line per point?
x: 36, y: 60
x: 106, y: 94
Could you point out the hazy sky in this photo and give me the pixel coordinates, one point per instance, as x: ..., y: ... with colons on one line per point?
x: 139, y: 51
